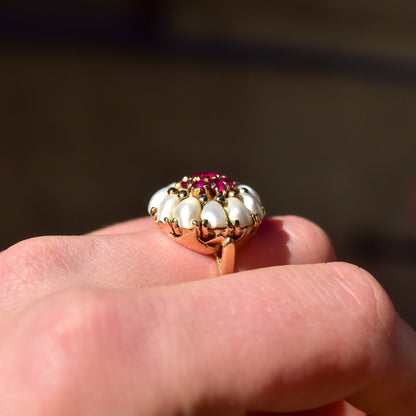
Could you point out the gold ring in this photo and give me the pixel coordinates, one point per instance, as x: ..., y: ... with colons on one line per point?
x: 208, y: 213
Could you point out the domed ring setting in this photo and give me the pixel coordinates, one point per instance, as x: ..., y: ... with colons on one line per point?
x: 208, y: 213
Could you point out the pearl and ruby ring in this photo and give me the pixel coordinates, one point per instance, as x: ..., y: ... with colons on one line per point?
x: 208, y: 213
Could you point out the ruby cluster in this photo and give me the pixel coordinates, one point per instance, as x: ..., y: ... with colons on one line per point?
x: 208, y: 183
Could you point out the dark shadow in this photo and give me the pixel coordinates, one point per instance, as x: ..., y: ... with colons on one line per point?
x: 268, y: 247
x: 144, y: 28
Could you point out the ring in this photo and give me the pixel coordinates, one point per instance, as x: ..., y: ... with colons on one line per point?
x: 208, y: 213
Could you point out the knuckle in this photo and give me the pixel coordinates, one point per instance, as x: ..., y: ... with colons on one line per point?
x: 71, y: 324
x: 86, y: 338
x: 33, y: 260
x: 29, y: 255
x: 60, y: 346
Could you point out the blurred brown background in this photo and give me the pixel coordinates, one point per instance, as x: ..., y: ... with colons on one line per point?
x: 311, y: 103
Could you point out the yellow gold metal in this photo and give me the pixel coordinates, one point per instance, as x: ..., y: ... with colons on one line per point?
x: 226, y: 257
x: 220, y: 242
x: 203, y: 199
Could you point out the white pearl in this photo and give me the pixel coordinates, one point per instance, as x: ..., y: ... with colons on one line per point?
x: 187, y: 211
x: 236, y: 210
x: 251, y: 204
x: 252, y: 192
x: 157, y: 197
x: 214, y: 213
x: 167, y: 207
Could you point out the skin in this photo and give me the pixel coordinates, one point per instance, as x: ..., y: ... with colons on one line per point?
x: 125, y: 321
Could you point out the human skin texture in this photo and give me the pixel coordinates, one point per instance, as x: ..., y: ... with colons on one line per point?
x: 124, y: 321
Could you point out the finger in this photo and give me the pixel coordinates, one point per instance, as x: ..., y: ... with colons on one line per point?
x: 284, y: 240
x: 340, y: 408
x: 393, y: 389
x: 278, y: 236
x: 281, y: 339
x: 279, y: 240
x: 126, y: 227
x: 144, y: 258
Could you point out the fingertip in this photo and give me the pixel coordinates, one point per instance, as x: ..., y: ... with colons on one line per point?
x: 307, y: 242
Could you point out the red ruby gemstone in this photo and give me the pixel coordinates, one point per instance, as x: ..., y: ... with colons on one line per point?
x: 229, y: 182
x: 200, y: 185
x: 214, y: 181
x: 218, y: 183
x: 208, y: 175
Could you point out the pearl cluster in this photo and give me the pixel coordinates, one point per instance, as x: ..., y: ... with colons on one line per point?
x: 207, y: 198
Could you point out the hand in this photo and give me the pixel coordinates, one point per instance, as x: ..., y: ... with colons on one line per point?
x: 124, y: 321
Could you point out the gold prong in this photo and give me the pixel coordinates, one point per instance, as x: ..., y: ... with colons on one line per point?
x: 221, y: 199
x: 204, y: 229
x: 182, y: 194
x: 243, y: 231
x: 169, y: 223
x: 226, y: 257
x: 237, y: 229
x: 196, y: 229
x: 197, y: 192
x: 177, y: 231
x: 203, y: 199
x: 153, y: 213
x: 179, y: 185
x: 230, y: 229
x: 254, y: 228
